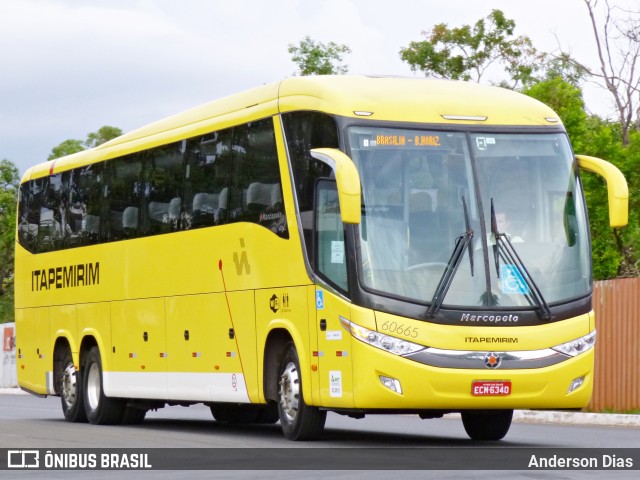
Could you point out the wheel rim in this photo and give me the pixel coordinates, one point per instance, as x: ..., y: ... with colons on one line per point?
x: 93, y: 386
x: 70, y: 385
x: 290, y: 391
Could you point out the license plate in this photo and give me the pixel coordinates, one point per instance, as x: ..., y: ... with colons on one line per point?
x: 481, y: 388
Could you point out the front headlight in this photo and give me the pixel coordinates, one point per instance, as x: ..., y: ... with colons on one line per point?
x: 577, y: 346
x: 395, y: 345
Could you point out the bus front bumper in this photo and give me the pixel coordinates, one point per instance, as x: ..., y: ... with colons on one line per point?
x: 385, y: 381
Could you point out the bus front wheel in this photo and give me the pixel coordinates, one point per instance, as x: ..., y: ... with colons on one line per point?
x: 488, y: 424
x: 299, y: 421
x: 101, y: 410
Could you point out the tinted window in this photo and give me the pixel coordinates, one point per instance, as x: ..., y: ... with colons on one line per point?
x: 207, y: 175
x: 87, y: 188
x: 256, y: 191
x: 27, y: 224
x: 230, y: 175
x: 51, y: 224
x: 163, y: 189
x: 124, y: 194
x: 304, y: 131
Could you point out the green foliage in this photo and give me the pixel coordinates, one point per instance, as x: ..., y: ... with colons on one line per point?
x: 317, y: 58
x: 71, y: 146
x: 103, y: 135
x: 9, y: 183
x: 566, y: 100
x: 67, y: 147
x: 466, y: 52
x: 564, y: 66
x: 7, y: 304
x: 614, y: 252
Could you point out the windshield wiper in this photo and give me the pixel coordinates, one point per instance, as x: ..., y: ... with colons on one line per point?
x: 503, y: 249
x: 462, y: 242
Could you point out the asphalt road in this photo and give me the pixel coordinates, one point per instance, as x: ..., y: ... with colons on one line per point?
x: 30, y: 422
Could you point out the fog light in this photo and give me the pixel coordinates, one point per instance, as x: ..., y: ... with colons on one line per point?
x: 391, y: 383
x: 577, y: 382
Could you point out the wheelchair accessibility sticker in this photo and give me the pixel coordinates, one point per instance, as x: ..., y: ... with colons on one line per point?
x: 319, y: 299
x: 511, y: 280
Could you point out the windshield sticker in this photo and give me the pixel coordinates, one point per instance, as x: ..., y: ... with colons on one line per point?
x: 511, y: 280
x: 482, y: 142
x: 337, y: 252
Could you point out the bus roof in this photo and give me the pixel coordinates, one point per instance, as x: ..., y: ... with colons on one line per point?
x: 418, y: 100
x: 414, y: 100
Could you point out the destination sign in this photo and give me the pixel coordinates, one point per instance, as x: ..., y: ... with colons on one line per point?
x: 404, y: 141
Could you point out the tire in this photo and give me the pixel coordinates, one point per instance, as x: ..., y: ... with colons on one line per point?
x: 489, y: 425
x: 101, y: 410
x: 70, y: 389
x: 299, y: 421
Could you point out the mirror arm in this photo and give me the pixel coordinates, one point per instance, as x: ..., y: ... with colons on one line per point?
x: 347, y: 180
x: 617, y: 190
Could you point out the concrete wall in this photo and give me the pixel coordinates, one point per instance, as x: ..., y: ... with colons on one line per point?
x: 8, y: 372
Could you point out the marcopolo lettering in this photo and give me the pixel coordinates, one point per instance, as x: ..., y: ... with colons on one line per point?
x: 469, y: 317
x: 80, y: 275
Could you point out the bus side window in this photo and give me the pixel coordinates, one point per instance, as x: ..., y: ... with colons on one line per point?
x: 163, y: 188
x: 86, y: 209
x: 27, y: 227
x: 330, y: 246
x: 51, y: 229
x: 125, y: 189
x: 207, y: 180
x: 304, y: 131
x: 256, y: 190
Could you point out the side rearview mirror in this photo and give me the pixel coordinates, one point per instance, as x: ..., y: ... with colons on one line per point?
x: 347, y: 181
x: 617, y: 190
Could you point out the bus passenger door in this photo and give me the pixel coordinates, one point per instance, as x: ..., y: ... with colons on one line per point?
x: 334, y: 342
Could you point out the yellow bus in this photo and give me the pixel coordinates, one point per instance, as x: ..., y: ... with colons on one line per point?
x: 358, y: 245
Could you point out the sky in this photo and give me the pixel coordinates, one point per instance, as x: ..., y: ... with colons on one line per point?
x: 69, y: 67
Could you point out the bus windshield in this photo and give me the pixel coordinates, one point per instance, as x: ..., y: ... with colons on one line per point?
x: 502, y: 211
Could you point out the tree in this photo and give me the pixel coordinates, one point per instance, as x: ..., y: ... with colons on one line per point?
x: 566, y: 100
x: 70, y: 146
x: 103, y: 135
x: 468, y: 52
x: 618, y: 47
x: 317, y: 58
x: 564, y: 66
x: 9, y: 183
x: 65, y: 148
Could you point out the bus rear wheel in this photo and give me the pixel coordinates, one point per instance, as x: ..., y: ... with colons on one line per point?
x: 487, y: 425
x: 70, y: 390
x: 101, y: 410
x: 299, y: 421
